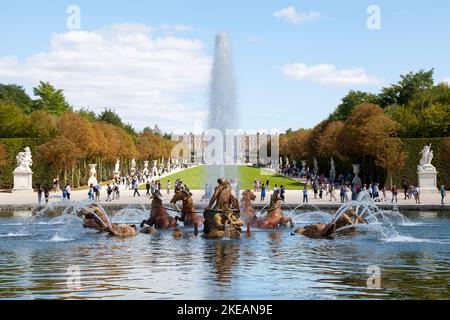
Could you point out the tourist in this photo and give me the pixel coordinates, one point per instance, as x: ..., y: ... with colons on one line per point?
x: 97, y: 192
x: 342, y: 194
x: 263, y: 193
x: 410, y: 192
x: 136, y: 189
x: 282, y: 193
x: 417, y: 194
x: 316, y: 189
x: 275, y: 188
x: 268, y: 185
x: 91, y: 192
x: 394, y: 194
x: 148, y: 187
x: 321, y: 192
x: 405, y: 187
x: 39, y: 194
x: 46, y: 194
x: 168, y: 187
x: 332, y: 193
x: 384, y: 193
x: 109, y: 192
x: 305, y: 194
x: 442, y: 191
x: 68, y: 191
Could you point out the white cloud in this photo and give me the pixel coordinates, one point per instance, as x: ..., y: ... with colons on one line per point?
x: 177, y: 27
x: 291, y: 15
x: 447, y: 80
x: 328, y: 74
x: 147, y: 79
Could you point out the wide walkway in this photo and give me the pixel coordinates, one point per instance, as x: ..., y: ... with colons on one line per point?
x: 292, y: 197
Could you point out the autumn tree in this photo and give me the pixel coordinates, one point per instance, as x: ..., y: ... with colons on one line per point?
x: 328, y: 141
x: 61, y: 153
x: 3, y: 157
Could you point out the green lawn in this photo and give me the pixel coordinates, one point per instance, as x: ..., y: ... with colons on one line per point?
x: 196, y: 177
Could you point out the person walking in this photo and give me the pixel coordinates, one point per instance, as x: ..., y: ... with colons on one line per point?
x: 282, y: 193
x: 394, y: 194
x: 136, y: 189
x: 442, y: 192
x: 39, y: 194
x: 148, y: 187
x: 108, y: 193
x: 417, y: 194
x: 97, y: 192
x: 321, y: 192
x: 46, y: 194
x: 263, y: 193
x: 268, y: 185
x: 91, y: 192
x: 68, y: 192
x: 342, y: 194
x: 168, y: 187
x: 305, y: 194
x: 316, y: 189
x: 332, y: 193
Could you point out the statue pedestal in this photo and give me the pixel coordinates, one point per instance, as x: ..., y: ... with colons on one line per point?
x: 428, y: 180
x: 23, y: 181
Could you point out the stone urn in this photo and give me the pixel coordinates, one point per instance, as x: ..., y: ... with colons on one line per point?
x: 356, y: 171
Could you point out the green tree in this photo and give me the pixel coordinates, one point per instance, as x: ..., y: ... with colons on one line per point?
x: 410, y: 87
x: 15, y: 94
x: 350, y: 101
x: 87, y: 114
x: 43, y: 124
x: 13, y: 122
x: 50, y: 99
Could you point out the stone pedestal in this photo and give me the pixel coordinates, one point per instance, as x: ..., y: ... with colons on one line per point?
x: 23, y: 181
x: 428, y: 180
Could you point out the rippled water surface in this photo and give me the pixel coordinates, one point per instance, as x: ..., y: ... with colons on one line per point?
x: 35, y: 256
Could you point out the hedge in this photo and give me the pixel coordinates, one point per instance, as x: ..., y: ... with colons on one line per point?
x: 42, y: 174
x: 413, y: 147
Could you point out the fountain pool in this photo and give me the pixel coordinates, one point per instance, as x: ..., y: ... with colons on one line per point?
x: 36, y: 254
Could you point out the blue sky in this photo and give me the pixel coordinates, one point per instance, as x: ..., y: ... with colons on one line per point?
x: 413, y: 35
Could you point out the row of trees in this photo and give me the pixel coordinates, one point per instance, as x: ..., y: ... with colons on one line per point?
x: 420, y: 107
x: 366, y: 128
x: 75, y: 138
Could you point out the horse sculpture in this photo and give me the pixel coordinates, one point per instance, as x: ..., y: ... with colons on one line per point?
x: 275, y: 217
x: 222, y: 213
x: 96, y: 218
x: 159, y: 218
x: 188, y: 215
x: 347, y: 222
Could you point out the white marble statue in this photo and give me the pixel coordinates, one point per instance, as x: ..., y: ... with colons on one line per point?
x: 333, y: 169
x: 24, y: 160
x: 427, y: 158
x: 117, y: 167
x: 316, y: 166
x: 23, y: 176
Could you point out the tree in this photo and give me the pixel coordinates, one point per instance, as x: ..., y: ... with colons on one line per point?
x: 15, y: 94
x: 13, y: 122
x: 87, y: 114
x: 50, y: 99
x: 351, y: 100
x: 328, y: 141
x: 43, y: 124
x: 60, y: 153
x: 435, y: 121
x: 110, y: 116
x: 79, y: 130
x: 410, y: 87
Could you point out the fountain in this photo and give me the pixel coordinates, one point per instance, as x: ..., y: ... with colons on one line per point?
x: 223, y: 113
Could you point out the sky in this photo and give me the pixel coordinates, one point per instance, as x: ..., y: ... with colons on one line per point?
x: 151, y: 60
